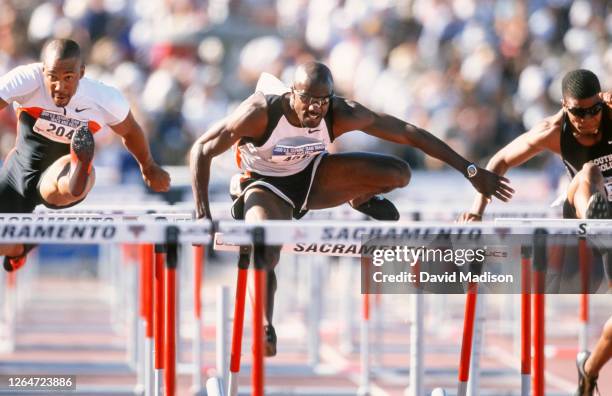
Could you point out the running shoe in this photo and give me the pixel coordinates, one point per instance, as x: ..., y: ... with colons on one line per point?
x: 14, y: 263
x: 586, y: 385
x: 81, y: 159
x: 379, y: 208
x: 269, y: 341
x: 598, y: 207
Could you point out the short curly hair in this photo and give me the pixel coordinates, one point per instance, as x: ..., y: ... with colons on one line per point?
x: 580, y: 84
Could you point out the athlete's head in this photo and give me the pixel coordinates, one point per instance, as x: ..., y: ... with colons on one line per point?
x: 311, y: 93
x: 62, y: 69
x: 581, y: 100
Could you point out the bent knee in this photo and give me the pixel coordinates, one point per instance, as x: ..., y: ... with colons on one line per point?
x: 56, y: 193
x: 591, y: 172
x: 400, y: 174
x: 607, y: 330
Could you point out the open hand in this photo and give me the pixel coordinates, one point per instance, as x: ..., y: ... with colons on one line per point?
x: 491, y: 184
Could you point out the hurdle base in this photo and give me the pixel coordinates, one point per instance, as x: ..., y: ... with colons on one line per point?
x: 232, y: 387
x: 139, y: 389
x: 438, y: 392
x: 214, y: 387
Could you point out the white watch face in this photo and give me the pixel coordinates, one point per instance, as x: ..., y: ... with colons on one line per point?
x: 472, y: 170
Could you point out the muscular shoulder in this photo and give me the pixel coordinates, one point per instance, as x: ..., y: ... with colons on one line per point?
x: 250, y: 117
x: 350, y: 115
x: 106, y: 97
x: 546, y: 133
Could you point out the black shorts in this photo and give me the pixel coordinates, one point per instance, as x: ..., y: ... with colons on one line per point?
x: 294, y: 189
x: 569, y: 212
x: 20, y: 190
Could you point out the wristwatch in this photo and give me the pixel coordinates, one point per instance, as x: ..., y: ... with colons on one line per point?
x: 471, y: 171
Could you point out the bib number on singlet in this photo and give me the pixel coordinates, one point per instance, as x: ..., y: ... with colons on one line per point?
x: 57, y: 127
x: 608, y: 185
x: 283, y: 154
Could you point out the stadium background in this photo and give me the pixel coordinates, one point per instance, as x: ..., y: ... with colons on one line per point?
x: 474, y: 72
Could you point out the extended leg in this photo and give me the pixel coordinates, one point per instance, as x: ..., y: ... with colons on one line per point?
x: 586, y: 193
x: 261, y: 204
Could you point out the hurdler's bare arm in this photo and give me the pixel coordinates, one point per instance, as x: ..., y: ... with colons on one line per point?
x: 349, y: 115
x: 248, y: 120
x: 546, y: 135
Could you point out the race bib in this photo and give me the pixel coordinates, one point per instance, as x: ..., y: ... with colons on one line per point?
x: 57, y: 127
x: 287, y: 154
x: 608, y: 185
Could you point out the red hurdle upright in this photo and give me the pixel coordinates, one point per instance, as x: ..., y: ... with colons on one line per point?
x: 539, y: 304
x: 198, y: 264
x: 584, y: 263
x: 525, y: 320
x: 466, y: 342
x: 170, y: 312
x: 238, y: 323
x: 158, y: 315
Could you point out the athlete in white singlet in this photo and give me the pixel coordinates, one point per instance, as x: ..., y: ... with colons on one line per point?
x: 58, y: 111
x: 281, y: 141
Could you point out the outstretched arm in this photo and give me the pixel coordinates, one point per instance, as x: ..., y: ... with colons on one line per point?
x: 353, y: 116
x: 136, y: 143
x: 544, y: 136
x: 249, y: 119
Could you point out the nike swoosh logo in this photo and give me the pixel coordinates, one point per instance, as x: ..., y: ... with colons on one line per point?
x: 313, y: 131
x: 79, y: 110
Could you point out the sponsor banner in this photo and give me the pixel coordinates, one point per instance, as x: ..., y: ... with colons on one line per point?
x: 92, y: 217
x: 100, y: 232
x: 307, y: 232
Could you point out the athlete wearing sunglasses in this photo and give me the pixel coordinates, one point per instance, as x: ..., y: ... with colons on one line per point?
x: 581, y: 133
x: 281, y: 139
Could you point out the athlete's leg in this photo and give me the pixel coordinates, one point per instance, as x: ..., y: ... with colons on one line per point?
x: 355, y: 178
x: 71, y: 177
x: 262, y: 204
x: 582, y: 188
x: 602, y: 352
x: 11, y: 201
x: 11, y: 250
x: 54, y: 186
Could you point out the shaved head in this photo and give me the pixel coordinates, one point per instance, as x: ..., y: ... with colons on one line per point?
x: 61, y: 49
x: 62, y: 68
x: 312, y: 93
x: 313, y: 74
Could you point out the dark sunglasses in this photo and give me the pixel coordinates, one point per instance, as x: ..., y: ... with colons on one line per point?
x: 309, y: 100
x: 583, y: 112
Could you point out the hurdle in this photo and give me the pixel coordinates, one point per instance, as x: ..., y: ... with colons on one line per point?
x: 238, y: 233
x: 538, y: 303
x: 36, y: 228
x: 284, y: 232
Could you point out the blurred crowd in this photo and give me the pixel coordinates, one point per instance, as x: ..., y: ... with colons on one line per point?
x: 474, y: 72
